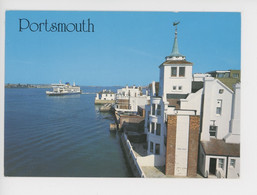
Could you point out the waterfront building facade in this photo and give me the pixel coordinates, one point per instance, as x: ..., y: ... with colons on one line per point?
x: 187, y: 113
x: 105, y: 96
x: 173, y: 116
x: 129, y: 98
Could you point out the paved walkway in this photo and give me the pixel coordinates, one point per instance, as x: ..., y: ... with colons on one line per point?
x: 158, y: 172
x: 151, y: 171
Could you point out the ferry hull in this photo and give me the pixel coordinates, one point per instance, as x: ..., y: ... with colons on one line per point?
x: 60, y: 94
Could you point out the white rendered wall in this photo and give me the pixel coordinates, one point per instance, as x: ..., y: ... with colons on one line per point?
x: 193, y: 102
x: 154, y: 119
x: 137, y: 101
x: 220, y: 171
x: 169, y: 82
x: 108, y: 96
x: 181, y: 151
x: 129, y: 91
x: 234, y: 172
x: 211, y: 95
x: 234, y: 134
x: 156, y: 140
x: 200, y: 76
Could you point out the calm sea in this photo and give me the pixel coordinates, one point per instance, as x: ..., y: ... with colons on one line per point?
x: 61, y: 136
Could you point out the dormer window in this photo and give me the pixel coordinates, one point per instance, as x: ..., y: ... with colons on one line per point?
x: 235, y: 75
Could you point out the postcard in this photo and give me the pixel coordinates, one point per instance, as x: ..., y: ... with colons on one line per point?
x: 119, y: 95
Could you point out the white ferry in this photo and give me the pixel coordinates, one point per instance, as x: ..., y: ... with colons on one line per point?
x: 64, y: 89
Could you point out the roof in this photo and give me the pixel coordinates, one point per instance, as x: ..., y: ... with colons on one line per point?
x: 220, y: 148
x: 177, y: 62
x: 229, y: 82
x: 106, y: 92
x: 177, y: 96
x: 196, y: 85
x: 175, y: 51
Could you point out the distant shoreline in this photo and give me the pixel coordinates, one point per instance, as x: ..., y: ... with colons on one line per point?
x: 9, y: 85
x: 27, y: 85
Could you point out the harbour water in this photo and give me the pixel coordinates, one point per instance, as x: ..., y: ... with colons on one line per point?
x: 60, y: 136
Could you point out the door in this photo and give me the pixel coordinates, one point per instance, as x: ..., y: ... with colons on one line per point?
x: 212, y: 168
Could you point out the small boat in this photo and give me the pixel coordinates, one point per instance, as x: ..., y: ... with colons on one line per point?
x: 64, y: 89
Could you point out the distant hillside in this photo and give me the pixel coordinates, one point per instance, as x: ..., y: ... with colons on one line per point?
x: 8, y: 85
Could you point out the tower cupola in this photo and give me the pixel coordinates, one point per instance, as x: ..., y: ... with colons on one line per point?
x: 175, y: 55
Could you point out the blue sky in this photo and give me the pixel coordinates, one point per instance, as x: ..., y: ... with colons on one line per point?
x: 126, y: 47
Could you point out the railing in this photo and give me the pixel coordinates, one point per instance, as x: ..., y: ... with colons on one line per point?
x: 133, y: 155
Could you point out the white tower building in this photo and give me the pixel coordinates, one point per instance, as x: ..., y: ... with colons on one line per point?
x: 175, y: 73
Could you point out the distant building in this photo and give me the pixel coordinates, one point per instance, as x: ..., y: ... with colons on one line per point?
x: 228, y: 77
x: 105, y: 96
x: 200, y: 76
x: 129, y: 98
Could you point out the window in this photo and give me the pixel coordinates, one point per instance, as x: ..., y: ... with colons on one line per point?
x: 221, y: 91
x: 181, y: 71
x: 233, y: 163
x: 220, y: 75
x: 152, y: 127
x: 213, y: 131
x: 226, y: 75
x: 221, y: 163
x: 235, y: 75
x: 148, y: 126
x: 158, y: 109
x: 153, y: 109
x: 180, y: 88
x: 218, y: 108
x: 158, y: 129
x: 173, y: 71
x: 218, y: 111
x: 151, y: 147
x: 157, y: 148
x: 174, y: 87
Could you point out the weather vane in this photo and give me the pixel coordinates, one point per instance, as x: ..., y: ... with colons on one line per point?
x: 175, y: 24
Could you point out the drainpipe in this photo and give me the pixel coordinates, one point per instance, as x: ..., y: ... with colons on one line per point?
x: 227, y: 168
